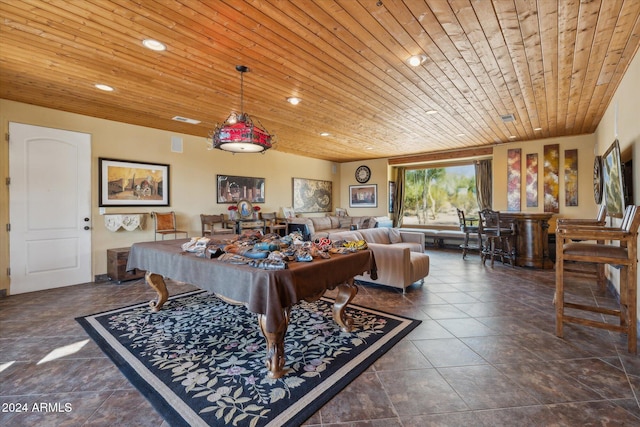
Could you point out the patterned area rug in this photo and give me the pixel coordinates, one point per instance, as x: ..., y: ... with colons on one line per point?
x: 200, y: 361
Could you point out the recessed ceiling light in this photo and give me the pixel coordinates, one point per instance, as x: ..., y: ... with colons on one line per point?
x: 431, y: 112
x: 293, y: 100
x: 460, y: 134
x: 512, y: 137
x: 368, y: 148
x: 154, y: 45
x: 536, y: 129
x: 325, y: 134
x: 105, y: 88
x: 416, y: 60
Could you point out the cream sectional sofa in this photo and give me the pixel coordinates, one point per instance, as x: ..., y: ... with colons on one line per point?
x: 399, y: 255
x: 322, y: 226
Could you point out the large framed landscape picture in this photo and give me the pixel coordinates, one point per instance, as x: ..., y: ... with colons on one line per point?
x: 311, y: 195
x: 132, y: 183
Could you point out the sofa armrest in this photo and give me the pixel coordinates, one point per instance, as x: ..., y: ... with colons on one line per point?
x: 393, y: 263
x: 413, y: 237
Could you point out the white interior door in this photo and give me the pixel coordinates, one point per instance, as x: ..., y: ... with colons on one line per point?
x: 50, y: 208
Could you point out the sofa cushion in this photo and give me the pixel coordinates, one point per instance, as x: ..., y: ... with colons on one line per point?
x: 364, y: 223
x: 376, y: 235
x: 335, y: 221
x: 321, y: 223
x: 345, y: 222
x: 394, y: 235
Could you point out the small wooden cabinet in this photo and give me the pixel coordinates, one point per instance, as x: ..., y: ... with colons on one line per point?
x: 117, y: 266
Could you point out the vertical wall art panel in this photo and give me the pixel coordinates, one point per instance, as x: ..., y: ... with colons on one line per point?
x: 551, y: 178
x: 514, y: 178
x: 531, y: 187
x: 571, y: 177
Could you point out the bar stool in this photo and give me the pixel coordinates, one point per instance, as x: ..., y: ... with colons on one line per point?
x: 572, y: 244
x: 467, y: 227
x: 498, y: 237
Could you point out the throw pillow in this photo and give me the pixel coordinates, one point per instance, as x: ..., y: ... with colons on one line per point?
x: 394, y: 235
x: 345, y: 222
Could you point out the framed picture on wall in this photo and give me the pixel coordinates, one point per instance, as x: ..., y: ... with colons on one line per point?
x: 131, y: 183
x: 232, y: 189
x: 311, y: 195
x: 612, y: 178
x: 363, y: 196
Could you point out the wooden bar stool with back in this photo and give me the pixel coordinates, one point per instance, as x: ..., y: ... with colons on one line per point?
x: 574, y: 243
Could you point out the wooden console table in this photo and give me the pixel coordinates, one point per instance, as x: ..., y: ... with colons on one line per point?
x: 249, y: 224
x: 268, y: 293
x: 532, y: 238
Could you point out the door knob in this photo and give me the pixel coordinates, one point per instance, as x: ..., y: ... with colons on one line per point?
x: 86, y: 220
x: 86, y: 227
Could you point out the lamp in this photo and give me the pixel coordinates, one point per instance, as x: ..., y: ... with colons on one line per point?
x: 238, y: 134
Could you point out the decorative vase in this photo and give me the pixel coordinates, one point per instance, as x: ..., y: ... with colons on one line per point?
x: 232, y: 215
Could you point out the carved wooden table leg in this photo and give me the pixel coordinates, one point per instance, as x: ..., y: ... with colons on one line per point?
x: 157, y: 283
x: 346, y: 292
x: 275, y: 345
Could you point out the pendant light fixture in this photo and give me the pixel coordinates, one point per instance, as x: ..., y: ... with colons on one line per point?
x: 238, y: 134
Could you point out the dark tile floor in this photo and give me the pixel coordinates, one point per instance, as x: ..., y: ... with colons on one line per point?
x: 484, y: 355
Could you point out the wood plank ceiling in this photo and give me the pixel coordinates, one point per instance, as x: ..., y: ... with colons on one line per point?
x: 553, y: 65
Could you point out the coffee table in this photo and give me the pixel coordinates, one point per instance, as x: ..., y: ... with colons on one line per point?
x: 268, y: 293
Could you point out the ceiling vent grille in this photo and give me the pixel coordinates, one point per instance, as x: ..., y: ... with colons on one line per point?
x: 508, y: 118
x: 185, y: 120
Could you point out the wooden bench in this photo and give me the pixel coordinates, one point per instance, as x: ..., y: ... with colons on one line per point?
x: 438, y: 236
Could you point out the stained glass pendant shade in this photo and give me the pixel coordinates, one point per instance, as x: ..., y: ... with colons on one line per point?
x: 238, y: 134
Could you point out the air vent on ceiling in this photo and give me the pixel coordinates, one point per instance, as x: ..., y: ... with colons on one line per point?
x: 507, y: 118
x: 186, y: 120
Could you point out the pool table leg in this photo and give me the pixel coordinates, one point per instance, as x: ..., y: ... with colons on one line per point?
x: 157, y: 283
x: 275, y: 345
x: 346, y: 292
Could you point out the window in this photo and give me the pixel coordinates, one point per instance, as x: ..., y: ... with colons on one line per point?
x: 433, y: 194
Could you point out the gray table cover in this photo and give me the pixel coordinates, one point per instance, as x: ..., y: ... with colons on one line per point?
x: 266, y: 292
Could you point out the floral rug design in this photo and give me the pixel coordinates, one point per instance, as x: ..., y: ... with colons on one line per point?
x: 200, y: 361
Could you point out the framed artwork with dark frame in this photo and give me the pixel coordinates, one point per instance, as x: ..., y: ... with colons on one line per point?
x: 612, y: 181
x: 132, y: 183
x: 363, y: 196
x: 232, y: 189
x: 311, y: 195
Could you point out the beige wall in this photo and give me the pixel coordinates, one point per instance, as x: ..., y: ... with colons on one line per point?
x: 379, y: 178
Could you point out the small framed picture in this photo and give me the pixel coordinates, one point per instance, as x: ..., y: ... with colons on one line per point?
x: 363, y: 196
